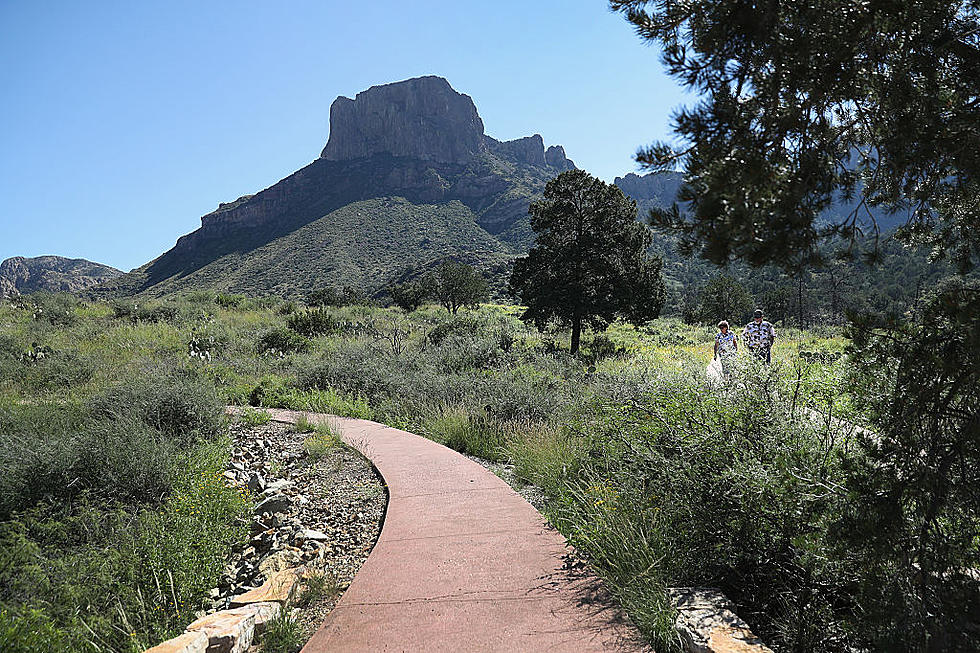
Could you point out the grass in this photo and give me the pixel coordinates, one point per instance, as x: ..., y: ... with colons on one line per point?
x: 317, y: 587
x: 282, y: 635
x: 252, y: 417
x: 323, y: 440
x: 303, y: 424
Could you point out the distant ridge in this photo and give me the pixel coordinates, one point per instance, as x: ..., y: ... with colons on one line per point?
x: 20, y: 275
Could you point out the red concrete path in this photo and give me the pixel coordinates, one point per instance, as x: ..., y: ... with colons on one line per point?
x: 463, y: 563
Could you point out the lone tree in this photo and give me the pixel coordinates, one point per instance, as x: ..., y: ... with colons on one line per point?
x: 456, y: 285
x: 590, y: 261
x: 877, y: 102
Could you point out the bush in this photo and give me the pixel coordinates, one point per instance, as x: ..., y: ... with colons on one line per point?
x: 283, y: 341
x: 327, y: 296
x: 176, y: 403
x: 315, y: 322
x: 57, y: 309
x: 148, y: 313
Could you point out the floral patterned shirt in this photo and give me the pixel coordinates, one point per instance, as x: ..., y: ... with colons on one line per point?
x: 726, y: 342
x: 760, y: 335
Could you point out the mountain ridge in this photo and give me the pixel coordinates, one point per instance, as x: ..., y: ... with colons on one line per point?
x: 22, y: 275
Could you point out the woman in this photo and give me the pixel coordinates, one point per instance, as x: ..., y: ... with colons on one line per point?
x: 726, y: 345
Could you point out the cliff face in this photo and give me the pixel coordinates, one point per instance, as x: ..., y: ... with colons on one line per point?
x: 422, y: 118
x: 417, y: 139
x: 19, y: 275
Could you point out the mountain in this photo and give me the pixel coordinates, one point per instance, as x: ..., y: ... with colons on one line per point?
x: 19, y: 275
x: 407, y: 177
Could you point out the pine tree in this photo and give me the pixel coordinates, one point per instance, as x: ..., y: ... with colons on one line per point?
x: 590, y: 262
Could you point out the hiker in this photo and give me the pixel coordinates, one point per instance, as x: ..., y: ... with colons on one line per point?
x: 759, y: 337
x: 726, y: 346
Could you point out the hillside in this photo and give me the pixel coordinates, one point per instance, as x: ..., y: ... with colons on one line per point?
x: 361, y: 245
x: 20, y: 275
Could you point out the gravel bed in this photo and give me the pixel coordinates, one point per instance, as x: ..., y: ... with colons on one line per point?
x: 321, y: 511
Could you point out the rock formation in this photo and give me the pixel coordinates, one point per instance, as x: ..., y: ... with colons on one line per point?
x: 19, y: 275
x: 421, y: 118
x: 416, y: 139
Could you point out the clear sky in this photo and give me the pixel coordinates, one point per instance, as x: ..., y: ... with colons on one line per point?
x: 121, y: 123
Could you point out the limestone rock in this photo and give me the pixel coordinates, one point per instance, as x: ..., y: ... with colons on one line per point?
x: 195, y: 642
x: 280, y: 561
x: 280, y: 587
x: 528, y: 150
x: 422, y: 118
x: 707, y: 623
x: 273, y: 504
x: 227, y: 631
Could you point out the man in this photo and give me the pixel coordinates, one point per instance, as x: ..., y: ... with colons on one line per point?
x: 759, y: 337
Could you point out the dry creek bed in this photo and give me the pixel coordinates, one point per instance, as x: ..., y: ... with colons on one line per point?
x: 322, y: 512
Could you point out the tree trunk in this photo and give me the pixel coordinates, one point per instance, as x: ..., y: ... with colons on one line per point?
x: 576, y: 333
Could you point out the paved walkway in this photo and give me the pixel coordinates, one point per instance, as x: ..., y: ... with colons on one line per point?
x: 463, y: 563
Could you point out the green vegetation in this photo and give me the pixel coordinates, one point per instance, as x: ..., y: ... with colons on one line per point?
x: 657, y: 474
x: 589, y: 263
x: 282, y: 635
x: 114, y: 519
x: 323, y: 439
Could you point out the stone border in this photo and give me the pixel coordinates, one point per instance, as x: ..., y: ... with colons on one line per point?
x: 232, y: 630
x: 707, y: 623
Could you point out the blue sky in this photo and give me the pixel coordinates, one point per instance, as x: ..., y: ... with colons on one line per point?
x: 122, y: 123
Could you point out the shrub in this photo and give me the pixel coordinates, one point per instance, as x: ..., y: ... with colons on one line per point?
x: 176, y: 403
x: 227, y: 300
x: 57, y: 309
x: 252, y: 417
x: 148, y: 313
x: 314, y: 322
x: 327, y: 296
x: 280, y: 340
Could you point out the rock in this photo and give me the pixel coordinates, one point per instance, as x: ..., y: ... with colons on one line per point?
x: 273, y: 504
x: 280, y: 561
x: 555, y: 157
x: 528, y: 150
x: 196, y: 642
x: 318, y: 536
x: 263, y: 613
x: 421, y: 118
x: 231, y: 476
x: 255, y: 483
x: 227, y: 631
x: 280, y: 587
x: 275, y: 487
x: 707, y: 623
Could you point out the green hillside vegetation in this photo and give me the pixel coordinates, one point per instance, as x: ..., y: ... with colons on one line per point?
x: 657, y: 474
x: 365, y: 245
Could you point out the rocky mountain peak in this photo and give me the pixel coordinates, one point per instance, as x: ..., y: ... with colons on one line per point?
x: 54, y: 273
x: 422, y: 118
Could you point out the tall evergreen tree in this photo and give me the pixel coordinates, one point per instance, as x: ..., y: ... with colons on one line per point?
x: 803, y: 103
x: 590, y: 261
x: 877, y: 101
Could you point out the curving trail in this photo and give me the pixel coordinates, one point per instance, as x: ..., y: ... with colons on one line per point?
x: 463, y: 563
